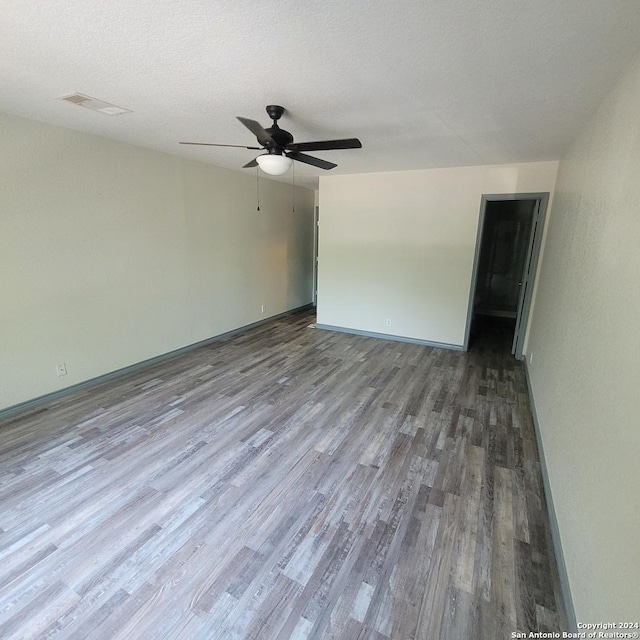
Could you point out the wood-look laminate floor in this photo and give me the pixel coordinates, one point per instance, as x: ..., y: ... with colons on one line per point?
x: 287, y: 483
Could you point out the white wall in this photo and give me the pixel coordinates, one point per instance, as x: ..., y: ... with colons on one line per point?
x: 400, y: 246
x: 585, y: 372
x: 111, y: 254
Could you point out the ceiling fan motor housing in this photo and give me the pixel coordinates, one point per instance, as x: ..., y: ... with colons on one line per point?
x: 282, y: 138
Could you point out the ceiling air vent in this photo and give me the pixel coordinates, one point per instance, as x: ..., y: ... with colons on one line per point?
x: 94, y: 104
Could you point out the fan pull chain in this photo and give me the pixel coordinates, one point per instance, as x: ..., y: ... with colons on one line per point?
x: 293, y: 187
x: 258, y: 186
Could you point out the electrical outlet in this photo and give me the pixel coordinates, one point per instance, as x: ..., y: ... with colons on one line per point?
x: 263, y: 308
x: 61, y: 369
x: 388, y: 322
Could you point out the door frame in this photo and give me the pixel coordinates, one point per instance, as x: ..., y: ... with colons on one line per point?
x: 316, y: 238
x: 530, y: 268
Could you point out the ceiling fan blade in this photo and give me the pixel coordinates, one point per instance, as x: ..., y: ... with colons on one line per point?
x: 213, y: 144
x: 252, y: 163
x: 316, y: 162
x: 326, y: 145
x: 258, y: 131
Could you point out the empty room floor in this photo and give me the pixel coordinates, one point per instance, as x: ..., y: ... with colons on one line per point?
x: 285, y: 483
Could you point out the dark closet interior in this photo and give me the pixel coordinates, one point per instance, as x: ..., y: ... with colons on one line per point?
x: 506, y: 235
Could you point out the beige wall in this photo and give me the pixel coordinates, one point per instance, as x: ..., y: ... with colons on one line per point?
x: 585, y: 372
x: 111, y: 254
x: 400, y: 246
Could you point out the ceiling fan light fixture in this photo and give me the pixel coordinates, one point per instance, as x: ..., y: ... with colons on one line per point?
x: 274, y: 164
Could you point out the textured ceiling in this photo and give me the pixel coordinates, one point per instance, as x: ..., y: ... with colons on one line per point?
x: 423, y: 83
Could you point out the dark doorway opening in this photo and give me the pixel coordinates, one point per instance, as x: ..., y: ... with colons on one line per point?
x: 507, y: 248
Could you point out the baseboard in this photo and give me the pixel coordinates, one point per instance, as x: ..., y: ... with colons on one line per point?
x: 553, y: 521
x: 388, y: 336
x: 92, y: 382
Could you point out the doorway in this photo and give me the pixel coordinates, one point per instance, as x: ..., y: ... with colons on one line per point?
x: 506, y: 258
x: 316, y: 235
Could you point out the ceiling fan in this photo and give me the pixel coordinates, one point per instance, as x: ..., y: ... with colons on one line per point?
x: 280, y: 147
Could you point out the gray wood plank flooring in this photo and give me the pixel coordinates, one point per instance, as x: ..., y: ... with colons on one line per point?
x: 287, y: 483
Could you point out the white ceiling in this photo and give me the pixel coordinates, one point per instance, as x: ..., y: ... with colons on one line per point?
x: 423, y: 83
